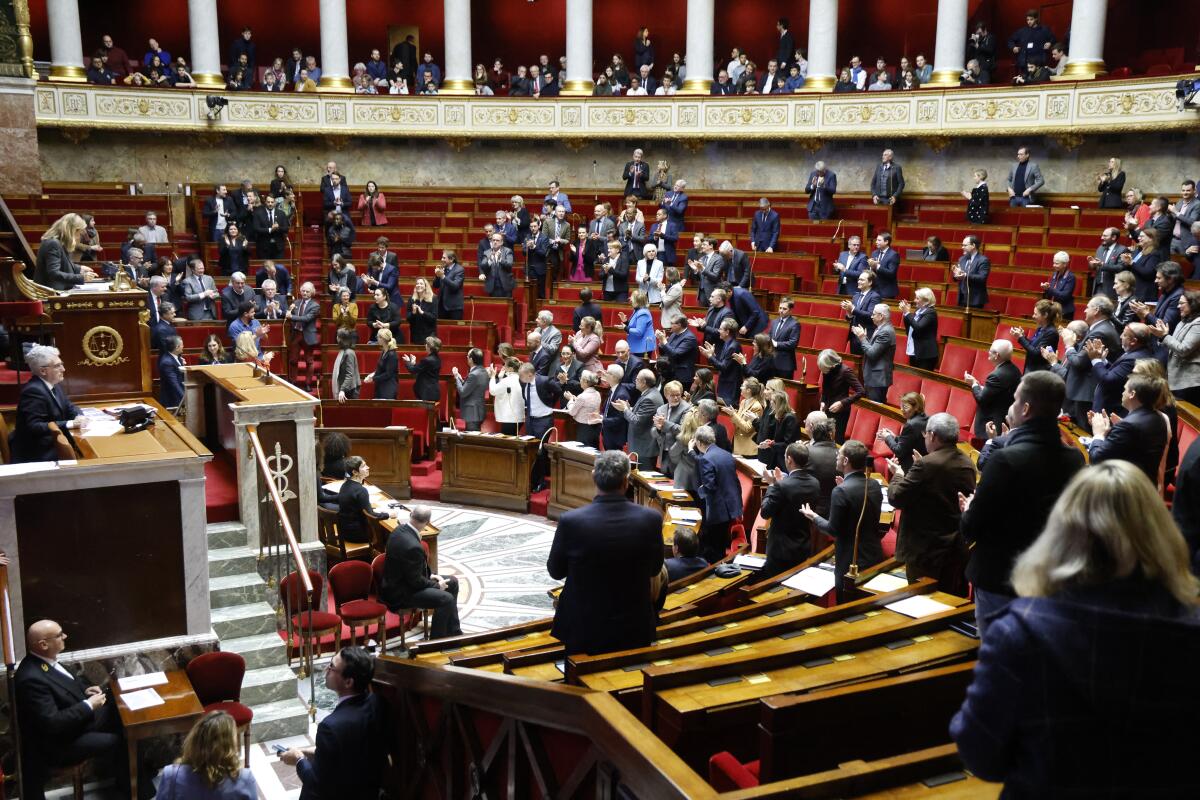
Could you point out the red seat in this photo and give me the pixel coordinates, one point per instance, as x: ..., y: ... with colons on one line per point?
x: 956, y: 359
x: 350, y: 585
x: 726, y: 773
x: 737, y: 536
x: 408, y: 617
x: 936, y: 394
x: 217, y: 681
x: 962, y: 405
x: 305, y: 622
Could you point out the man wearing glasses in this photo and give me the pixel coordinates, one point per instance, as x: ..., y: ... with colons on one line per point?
x: 42, y: 402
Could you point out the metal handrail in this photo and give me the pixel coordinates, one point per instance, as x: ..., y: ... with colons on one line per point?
x: 6, y: 628
x: 277, y: 500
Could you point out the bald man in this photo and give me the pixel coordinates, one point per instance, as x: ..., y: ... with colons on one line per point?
x: 63, y: 720
x: 995, y: 394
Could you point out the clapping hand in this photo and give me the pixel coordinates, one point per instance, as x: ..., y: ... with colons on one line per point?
x: 1139, y: 308
x: 957, y: 273
x: 621, y: 316
x: 409, y: 358
x: 740, y: 358
x: 659, y: 421
x: 1068, y: 336
x: 847, y: 305
x: 895, y: 468
x: 1017, y: 333
x: 964, y: 502
x: 1100, y: 422
x: 1095, y: 349
x: 1050, y: 356
x: 456, y: 373
x: 807, y: 511
x: 969, y: 378
x: 859, y: 331
x: 1160, y: 328
x: 763, y: 445
x: 620, y: 405
x: 905, y: 307
x: 707, y: 350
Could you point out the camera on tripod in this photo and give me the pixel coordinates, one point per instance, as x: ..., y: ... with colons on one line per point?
x: 1185, y: 93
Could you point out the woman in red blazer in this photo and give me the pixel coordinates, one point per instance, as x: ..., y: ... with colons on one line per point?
x: 373, y: 205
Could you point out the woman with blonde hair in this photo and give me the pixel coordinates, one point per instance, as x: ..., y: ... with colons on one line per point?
x: 54, y: 266
x: 584, y: 408
x: 245, y: 349
x: 745, y: 418
x: 422, y: 312
x: 778, y: 426
x: 387, y: 368
x: 587, y: 342
x: 686, y: 475
x: 1097, y: 654
x: 1111, y: 185
x: 672, y: 297
x: 639, y: 329
x: 210, y: 767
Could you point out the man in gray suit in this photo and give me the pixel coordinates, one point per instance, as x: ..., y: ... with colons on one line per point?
x: 471, y: 390
x: 1076, y: 370
x: 879, y: 353
x: 551, y: 339
x: 888, y: 182
x: 640, y: 416
x: 709, y: 270
x: 668, y: 418
x: 1187, y: 211
x: 200, y: 292
x: 1024, y: 180
x: 304, y: 340
x: 496, y: 268
x: 1107, y: 262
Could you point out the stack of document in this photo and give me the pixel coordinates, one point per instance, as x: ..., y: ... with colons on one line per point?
x: 679, y: 514
x: 918, y: 606
x: 812, y: 581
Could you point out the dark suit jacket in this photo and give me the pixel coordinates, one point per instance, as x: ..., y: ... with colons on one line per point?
x: 642, y: 171
x: 265, y: 239
x: 349, y: 758
x: 209, y: 212
x: 848, y: 282
x: 283, y: 280
x: 712, y: 324
x: 855, y: 499
x: 994, y: 396
x: 329, y: 198
x: 1019, y: 485
x: 879, y: 357
x: 747, y: 311
x: 37, y: 407
x: 230, y: 301
x: 973, y: 287
x: 170, y: 376
x: 1110, y: 380
x: 885, y: 272
x: 590, y: 310
x: 719, y: 486
x: 52, y: 713
x: 1186, y: 506
x: 911, y: 440
x: 681, y: 351
x: 607, y: 552
x: 1140, y: 439
x: 405, y: 568
x: 887, y: 183
x: 864, y: 303
x: 739, y: 269
x: 729, y: 372
x: 450, y: 288
x: 928, y: 495
x: 1062, y: 291
x: 426, y: 370
x: 1042, y: 337
x: 764, y: 230
x: 822, y: 462
x: 786, y: 334
x: 922, y: 331
x: 55, y: 268
x: 613, y: 425
x: 820, y: 198
x: 788, y: 537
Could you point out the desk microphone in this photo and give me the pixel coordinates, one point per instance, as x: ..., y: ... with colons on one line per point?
x: 834, y: 238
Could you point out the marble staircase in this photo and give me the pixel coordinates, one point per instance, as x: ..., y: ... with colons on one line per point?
x: 244, y: 620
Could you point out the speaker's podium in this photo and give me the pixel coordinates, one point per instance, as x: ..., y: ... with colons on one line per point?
x: 487, y: 469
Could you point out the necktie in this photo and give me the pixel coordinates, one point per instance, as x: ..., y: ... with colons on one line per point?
x: 272, y: 217
x: 636, y: 176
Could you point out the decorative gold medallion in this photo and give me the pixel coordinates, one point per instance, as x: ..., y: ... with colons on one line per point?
x: 102, y: 347
x: 143, y: 106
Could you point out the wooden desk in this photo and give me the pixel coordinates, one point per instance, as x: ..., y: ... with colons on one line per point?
x: 388, y: 451
x: 486, y: 470
x: 571, y: 484
x: 380, y: 500
x: 177, y: 714
x: 649, y: 491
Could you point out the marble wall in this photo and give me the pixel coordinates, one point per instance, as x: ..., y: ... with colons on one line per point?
x: 18, y: 138
x: 1153, y: 162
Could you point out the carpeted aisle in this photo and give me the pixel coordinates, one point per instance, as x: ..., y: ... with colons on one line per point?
x: 220, y: 488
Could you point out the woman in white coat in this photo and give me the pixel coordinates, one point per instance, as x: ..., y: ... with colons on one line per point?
x: 507, y: 398
x: 650, y: 274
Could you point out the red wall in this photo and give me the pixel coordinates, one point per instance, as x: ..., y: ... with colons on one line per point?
x: 519, y: 30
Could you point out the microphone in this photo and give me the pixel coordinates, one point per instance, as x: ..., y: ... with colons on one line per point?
x: 834, y: 238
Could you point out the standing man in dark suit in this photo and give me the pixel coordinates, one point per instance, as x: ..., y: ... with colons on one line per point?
x: 234, y: 296
x: 542, y: 395
x: 304, y: 341
x: 888, y: 182
x: 822, y: 456
x: 637, y: 177
x: 721, y: 492
x: 971, y: 272
x: 680, y: 348
x: 737, y: 265
x: 613, y: 427
x: 448, y: 280
x: 995, y: 394
x: 981, y: 46
x: 785, y: 336
x: 218, y: 211
x: 1186, y: 212
x: 170, y: 373
x: 860, y: 308
x: 921, y: 323
x: 885, y: 263
x: 716, y: 314
x: 853, y: 520
x: 785, y: 54
x: 558, y: 239
x: 1031, y: 44
x: 471, y: 390
x: 63, y: 720
x: 409, y: 583
x: 42, y: 401
x: 751, y: 318
x: 1136, y: 340
x: 348, y: 758
x: 1141, y: 437
x: 1107, y: 262
x: 270, y: 229
x: 709, y: 269
x: 929, y: 543
x: 878, y: 351
x: 788, y: 537
x: 1076, y: 370
x: 200, y: 292
x: 764, y: 228
x: 821, y: 187
x: 335, y: 198
x: 496, y: 263
x: 675, y: 203
x: 1017, y: 488
x: 1024, y: 180
x: 406, y: 53
x: 270, y: 271
x: 851, y: 263
x: 608, y: 553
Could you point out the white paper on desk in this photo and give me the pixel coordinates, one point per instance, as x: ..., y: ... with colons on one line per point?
x: 396, y: 428
x: 758, y: 466
x: 527, y: 438
x: 133, y: 682
x: 884, y: 582
x: 813, y: 581
x: 651, y: 474
x: 918, y: 606
x: 334, y: 486
x: 749, y: 562
x: 8, y: 470
x: 144, y: 698
x: 679, y: 512
x: 97, y: 428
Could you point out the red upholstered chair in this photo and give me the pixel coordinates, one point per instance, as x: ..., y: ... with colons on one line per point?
x: 304, y: 620
x: 217, y: 679
x: 408, y: 616
x: 350, y: 585
x: 737, y: 537
x: 726, y: 773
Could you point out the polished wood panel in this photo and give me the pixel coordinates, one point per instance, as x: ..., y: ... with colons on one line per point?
x: 103, y: 343
x: 178, y: 713
x: 571, y: 484
x: 486, y: 470
x: 389, y: 453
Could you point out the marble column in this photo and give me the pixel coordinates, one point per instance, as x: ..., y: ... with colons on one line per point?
x: 335, y: 52
x: 66, y: 42
x: 579, y: 49
x: 1085, y: 60
x: 457, y: 78
x: 206, y: 47
x: 950, y: 50
x: 822, y: 45
x: 700, y: 23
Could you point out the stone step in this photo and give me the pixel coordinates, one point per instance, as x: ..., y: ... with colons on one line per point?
x: 232, y: 590
x: 226, y: 534
x: 245, y: 619
x: 268, y: 685
x: 279, y: 720
x: 232, y: 561
x: 259, y: 650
